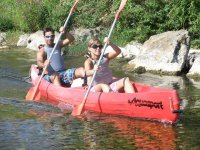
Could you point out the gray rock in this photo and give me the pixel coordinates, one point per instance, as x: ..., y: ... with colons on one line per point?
x: 83, y: 35
x: 131, y: 50
x: 23, y: 40
x: 195, y: 69
x: 165, y: 52
x: 2, y: 39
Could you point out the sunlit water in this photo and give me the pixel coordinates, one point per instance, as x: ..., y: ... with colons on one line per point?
x: 29, y: 125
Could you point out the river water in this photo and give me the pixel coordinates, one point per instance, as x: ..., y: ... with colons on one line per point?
x: 28, y: 125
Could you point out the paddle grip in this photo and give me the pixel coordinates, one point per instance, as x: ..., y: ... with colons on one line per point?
x: 73, y: 7
x: 123, y: 3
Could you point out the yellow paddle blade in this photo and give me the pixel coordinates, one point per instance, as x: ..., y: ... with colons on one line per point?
x: 77, y: 111
x: 33, y: 94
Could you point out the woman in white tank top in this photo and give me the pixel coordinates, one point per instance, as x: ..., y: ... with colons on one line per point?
x: 103, y: 81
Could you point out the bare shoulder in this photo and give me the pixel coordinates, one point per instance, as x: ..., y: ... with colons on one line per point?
x: 41, y: 53
x: 88, y: 64
x: 41, y: 50
x: 88, y: 61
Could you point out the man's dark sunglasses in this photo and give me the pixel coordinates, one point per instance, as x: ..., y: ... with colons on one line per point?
x: 97, y: 46
x: 49, y: 36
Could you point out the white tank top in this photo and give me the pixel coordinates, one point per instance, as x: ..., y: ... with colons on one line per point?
x: 104, y: 74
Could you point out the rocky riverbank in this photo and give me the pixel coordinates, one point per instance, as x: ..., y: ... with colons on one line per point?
x: 167, y: 53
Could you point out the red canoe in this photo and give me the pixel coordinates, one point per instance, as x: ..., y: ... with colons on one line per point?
x: 147, y: 103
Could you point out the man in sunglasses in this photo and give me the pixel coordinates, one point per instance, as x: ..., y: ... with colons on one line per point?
x: 56, y: 72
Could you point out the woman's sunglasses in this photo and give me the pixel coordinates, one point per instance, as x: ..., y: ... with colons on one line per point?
x: 49, y: 36
x: 97, y: 46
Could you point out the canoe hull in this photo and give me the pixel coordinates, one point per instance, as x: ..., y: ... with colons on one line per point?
x: 148, y: 103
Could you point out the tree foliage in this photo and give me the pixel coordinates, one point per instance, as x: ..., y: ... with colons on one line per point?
x: 138, y: 21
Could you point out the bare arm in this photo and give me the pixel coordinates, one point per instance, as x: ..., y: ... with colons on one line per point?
x: 41, y: 57
x: 68, y: 38
x: 116, y: 50
x: 89, y: 67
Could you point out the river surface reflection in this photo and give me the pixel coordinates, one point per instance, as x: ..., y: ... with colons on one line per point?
x: 28, y: 125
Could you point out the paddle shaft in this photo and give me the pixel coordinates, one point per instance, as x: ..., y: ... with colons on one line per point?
x: 80, y: 107
x: 57, y: 42
x: 99, y: 61
x: 123, y: 3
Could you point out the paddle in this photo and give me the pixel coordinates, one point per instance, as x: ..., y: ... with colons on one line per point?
x: 34, y: 90
x: 78, y: 110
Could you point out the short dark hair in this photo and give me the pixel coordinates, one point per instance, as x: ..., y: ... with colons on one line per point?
x: 48, y: 29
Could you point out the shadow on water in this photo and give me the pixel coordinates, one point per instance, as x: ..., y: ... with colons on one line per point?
x: 28, y: 125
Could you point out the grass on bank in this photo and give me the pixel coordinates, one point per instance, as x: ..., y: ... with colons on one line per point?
x: 138, y: 21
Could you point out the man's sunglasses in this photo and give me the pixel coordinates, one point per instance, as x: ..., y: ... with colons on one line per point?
x: 97, y: 46
x: 49, y: 36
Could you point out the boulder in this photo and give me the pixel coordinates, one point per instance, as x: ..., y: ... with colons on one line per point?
x: 195, y: 69
x: 131, y: 50
x: 83, y: 35
x: 35, y: 39
x: 2, y: 38
x: 23, y: 40
x: 165, y: 52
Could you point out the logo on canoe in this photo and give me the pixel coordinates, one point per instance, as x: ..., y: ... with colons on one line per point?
x: 146, y: 103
